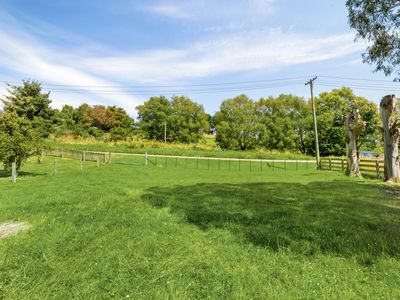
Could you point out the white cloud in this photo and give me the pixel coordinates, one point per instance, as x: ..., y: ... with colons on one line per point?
x: 203, y: 10
x: 244, y: 51
x: 259, y: 50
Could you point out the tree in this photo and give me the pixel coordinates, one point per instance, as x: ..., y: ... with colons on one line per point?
x: 377, y: 21
x: 188, y: 121
x: 152, y: 115
x: 391, y: 135
x: 331, y: 107
x: 236, y: 124
x: 18, y: 139
x: 29, y: 102
x: 286, y: 120
x: 354, y: 126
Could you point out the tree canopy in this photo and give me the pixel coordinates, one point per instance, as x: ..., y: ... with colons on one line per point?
x: 377, y: 22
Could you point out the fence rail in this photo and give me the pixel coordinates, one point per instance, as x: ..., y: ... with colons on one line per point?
x: 184, y: 161
x: 368, y: 167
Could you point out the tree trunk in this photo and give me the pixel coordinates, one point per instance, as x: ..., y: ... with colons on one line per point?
x: 391, y: 135
x: 354, y: 126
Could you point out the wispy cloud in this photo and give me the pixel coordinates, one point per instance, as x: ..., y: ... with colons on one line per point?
x: 205, y: 10
x: 258, y: 50
x: 27, y: 54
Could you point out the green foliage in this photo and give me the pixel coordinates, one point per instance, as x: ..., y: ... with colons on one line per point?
x: 236, y: 124
x: 18, y: 139
x: 377, y: 21
x: 287, y: 121
x: 186, y: 120
x: 29, y: 102
x: 152, y: 116
x: 331, y: 108
x: 93, y: 121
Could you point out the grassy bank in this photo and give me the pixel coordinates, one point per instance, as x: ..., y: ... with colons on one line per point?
x: 159, y: 232
x: 205, y: 148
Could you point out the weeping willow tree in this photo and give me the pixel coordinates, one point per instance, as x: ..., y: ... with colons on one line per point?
x: 391, y: 135
x: 354, y: 127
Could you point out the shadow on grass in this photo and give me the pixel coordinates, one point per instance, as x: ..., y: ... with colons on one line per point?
x: 4, y: 174
x: 342, y: 218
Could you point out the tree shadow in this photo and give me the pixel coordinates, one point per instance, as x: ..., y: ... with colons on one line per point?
x: 343, y: 218
x: 4, y: 173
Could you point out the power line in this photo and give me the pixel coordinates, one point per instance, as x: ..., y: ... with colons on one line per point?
x: 163, y: 86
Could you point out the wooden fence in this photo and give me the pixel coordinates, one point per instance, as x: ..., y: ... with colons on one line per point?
x: 368, y: 167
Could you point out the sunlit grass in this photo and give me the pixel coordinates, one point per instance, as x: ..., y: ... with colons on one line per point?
x: 166, y: 231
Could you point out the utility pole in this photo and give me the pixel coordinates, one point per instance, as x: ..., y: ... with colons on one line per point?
x: 311, y: 83
x: 165, y: 132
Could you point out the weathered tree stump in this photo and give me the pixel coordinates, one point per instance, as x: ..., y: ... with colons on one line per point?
x: 391, y: 134
x: 354, y: 126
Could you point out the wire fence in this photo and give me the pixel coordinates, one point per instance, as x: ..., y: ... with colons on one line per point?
x: 186, y: 162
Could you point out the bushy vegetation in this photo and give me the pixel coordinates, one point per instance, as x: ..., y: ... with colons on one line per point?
x: 281, y: 124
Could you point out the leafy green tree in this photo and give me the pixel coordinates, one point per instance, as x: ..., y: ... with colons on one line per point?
x: 152, y: 115
x: 331, y: 107
x: 29, y: 102
x: 286, y: 120
x: 188, y: 121
x: 377, y: 22
x: 236, y: 124
x: 18, y: 139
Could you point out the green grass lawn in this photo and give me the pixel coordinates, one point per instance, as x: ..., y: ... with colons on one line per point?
x: 127, y: 230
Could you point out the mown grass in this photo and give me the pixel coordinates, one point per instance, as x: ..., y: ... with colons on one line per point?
x: 127, y: 230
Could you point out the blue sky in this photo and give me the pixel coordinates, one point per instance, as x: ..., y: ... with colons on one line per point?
x: 121, y: 52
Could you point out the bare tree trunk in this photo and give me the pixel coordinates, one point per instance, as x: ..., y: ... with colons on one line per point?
x: 354, y: 126
x: 391, y: 135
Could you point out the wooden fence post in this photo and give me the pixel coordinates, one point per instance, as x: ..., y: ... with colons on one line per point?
x: 84, y: 155
x: 377, y: 168
x: 14, y: 172
x: 342, y: 160
x: 55, y: 166
x: 81, y: 160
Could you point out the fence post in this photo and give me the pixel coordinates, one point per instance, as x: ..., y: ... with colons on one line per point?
x: 55, y: 166
x: 14, y: 172
x: 98, y: 161
x: 81, y: 163
x: 145, y: 159
x: 342, y: 160
x: 377, y: 168
x: 330, y: 164
x: 84, y: 155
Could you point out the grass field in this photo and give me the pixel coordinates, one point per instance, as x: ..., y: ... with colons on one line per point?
x: 129, y: 231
